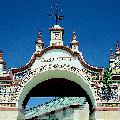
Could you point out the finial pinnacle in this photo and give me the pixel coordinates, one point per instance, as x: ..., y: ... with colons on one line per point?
x: 117, y: 45
x: 117, y: 48
x: 74, y: 36
x: 39, y: 39
x: 40, y: 35
x: 74, y: 40
x: 111, y: 54
x: 0, y: 54
x: 39, y: 43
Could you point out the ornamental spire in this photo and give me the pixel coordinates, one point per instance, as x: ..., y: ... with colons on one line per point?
x: 74, y: 36
x: 74, y: 43
x: 117, y: 48
x: 117, y: 45
x: 39, y: 42
x: 39, y: 39
x: 74, y: 39
x: 0, y: 55
x: 2, y: 65
x: 112, y: 59
x: 111, y: 54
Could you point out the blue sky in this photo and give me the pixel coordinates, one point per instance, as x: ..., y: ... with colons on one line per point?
x: 96, y: 23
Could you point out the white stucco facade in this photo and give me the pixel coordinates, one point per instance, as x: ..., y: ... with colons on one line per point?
x: 56, y: 61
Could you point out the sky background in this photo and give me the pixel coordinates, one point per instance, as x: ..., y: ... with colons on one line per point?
x: 96, y: 23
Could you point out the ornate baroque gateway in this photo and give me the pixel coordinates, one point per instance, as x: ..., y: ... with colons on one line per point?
x: 59, y: 61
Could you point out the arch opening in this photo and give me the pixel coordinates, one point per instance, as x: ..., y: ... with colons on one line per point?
x: 57, y: 87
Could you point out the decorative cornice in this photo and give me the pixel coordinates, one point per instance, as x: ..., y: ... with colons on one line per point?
x: 10, y: 109
x: 107, y: 109
x: 116, y: 77
x: 56, y: 29
x: 2, y: 62
x: 8, y: 85
x: 6, y: 78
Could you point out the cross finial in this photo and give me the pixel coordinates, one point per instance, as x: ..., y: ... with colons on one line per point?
x: 55, y: 14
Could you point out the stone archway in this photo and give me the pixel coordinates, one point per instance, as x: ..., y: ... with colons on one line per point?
x: 44, y: 76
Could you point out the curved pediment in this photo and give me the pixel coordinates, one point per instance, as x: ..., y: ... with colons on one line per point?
x: 61, y: 54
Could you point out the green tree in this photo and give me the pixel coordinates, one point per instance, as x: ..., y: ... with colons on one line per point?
x: 106, y: 88
x: 107, y: 78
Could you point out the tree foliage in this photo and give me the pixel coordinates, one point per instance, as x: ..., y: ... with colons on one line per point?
x: 107, y: 78
x: 106, y: 88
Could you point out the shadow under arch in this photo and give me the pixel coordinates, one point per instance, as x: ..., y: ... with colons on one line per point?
x: 75, y: 86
